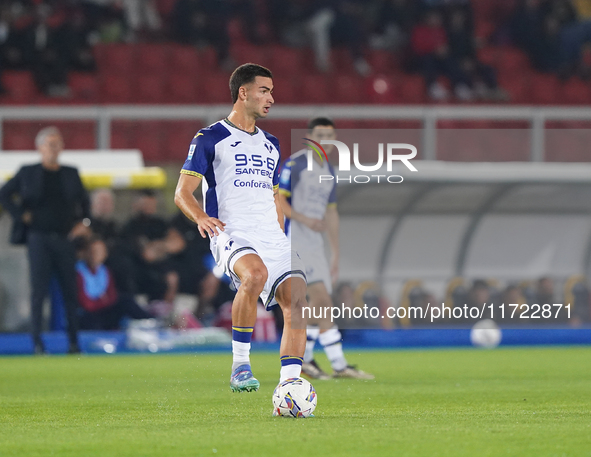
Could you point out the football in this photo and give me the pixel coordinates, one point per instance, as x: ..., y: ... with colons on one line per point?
x: 294, y: 397
x: 485, y: 333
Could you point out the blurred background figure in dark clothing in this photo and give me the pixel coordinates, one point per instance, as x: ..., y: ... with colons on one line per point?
x: 195, y: 266
x: 104, y: 226
x: 102, y: 305
x: 153, y: 241
x: 52, y: 202
x: 202, y: 23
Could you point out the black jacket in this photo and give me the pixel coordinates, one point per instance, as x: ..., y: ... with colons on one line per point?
x: 24, y: 192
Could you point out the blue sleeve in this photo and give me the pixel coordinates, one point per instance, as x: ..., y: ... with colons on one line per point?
x: 201, y: 154
x: 276, y: 176
x: 285, y: 178
x: 275, y: 142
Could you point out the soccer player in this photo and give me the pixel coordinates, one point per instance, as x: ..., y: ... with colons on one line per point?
x: 310, y: 207
x: 237, y: 164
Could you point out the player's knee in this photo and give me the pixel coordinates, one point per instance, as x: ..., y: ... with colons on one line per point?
x: 254, y: 279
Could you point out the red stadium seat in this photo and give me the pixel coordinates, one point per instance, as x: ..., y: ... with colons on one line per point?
x: 512, y: 61
x: 150, y: 88
x: 285, y: 61
x: 576, y: 92
x: 123, y: 134
x: 149, y: 140
x: 489, y: 55
x: 214, y: 88
x: 19, y: 135
x: 484, y: 29
x: 348, y: 89
x: 20, y: 86
x: 152, y: 58
x: 177, y: 137
x: 84, y: 86
x: 285, y: 90
x: 381, y: 61
x: 208, y: 59
x: 314, y: 89
x: 116, y: 88
x: 79, y: 135
x: 245, y: 53
x: 181, y: 88
x: 115, y: 58
x: 341, y: 60
x: 381, y: 89
x: 165, y: 7
x: 412, y: 89
x: 545, y: 89
x: 184, y: 59
x: 518, y: 86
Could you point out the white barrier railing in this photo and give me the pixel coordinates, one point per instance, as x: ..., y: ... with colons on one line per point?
x: 428, y: 115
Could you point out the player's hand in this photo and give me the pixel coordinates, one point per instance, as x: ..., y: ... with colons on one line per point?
x: 27, y: 217
x: 210, y: 226
x: 318, y: 225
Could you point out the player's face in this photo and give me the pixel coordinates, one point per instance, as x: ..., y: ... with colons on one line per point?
x: 258, y: 97
x: 50, y: 149
x: 324, y: 132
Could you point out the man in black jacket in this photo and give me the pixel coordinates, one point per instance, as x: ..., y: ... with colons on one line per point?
x: 49, y: 201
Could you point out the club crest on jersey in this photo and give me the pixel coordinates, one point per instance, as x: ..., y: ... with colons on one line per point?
x: 192, y: 150
x: 269, y: 147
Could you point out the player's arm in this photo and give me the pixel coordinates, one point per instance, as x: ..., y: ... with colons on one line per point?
x: 187, y: 203
x: 332, y: 230
x: 279, y: 209
x: 317, y: 225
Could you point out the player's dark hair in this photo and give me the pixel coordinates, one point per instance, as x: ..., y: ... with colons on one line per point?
x: 246, y: 74
x: 323, y: 121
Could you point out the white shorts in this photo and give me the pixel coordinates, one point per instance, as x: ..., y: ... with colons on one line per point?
x: 316, y: 267
x: 275, y: 252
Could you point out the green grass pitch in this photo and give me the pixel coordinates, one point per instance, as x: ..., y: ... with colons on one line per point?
x: 462, y: 402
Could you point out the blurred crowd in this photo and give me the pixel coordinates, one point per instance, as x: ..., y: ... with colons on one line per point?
x: 434, y: 37
x: 148, y: 256
x: 476, y: 293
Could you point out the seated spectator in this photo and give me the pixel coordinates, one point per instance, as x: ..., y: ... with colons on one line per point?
x: 142, y: 17
x: 395, y: 20
x: 430, y: 47
x: 203, y: 23
x: 103, y: 307
x: 77, y: 39
x: 479, y: 293
x: 42, y: 47
x: 554, y: 36
x: 512, y: 295
x: 477, y: 80
x: 526, y: 25
x: 12, y: 38
x: 102, y: 208
x: 103, y: 225
x: 152, y: 242
x: 545, y: 291
x: 195, y: 266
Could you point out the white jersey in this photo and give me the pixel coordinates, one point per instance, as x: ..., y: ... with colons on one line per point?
x: 307, y: 195
x: 240, y: 172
